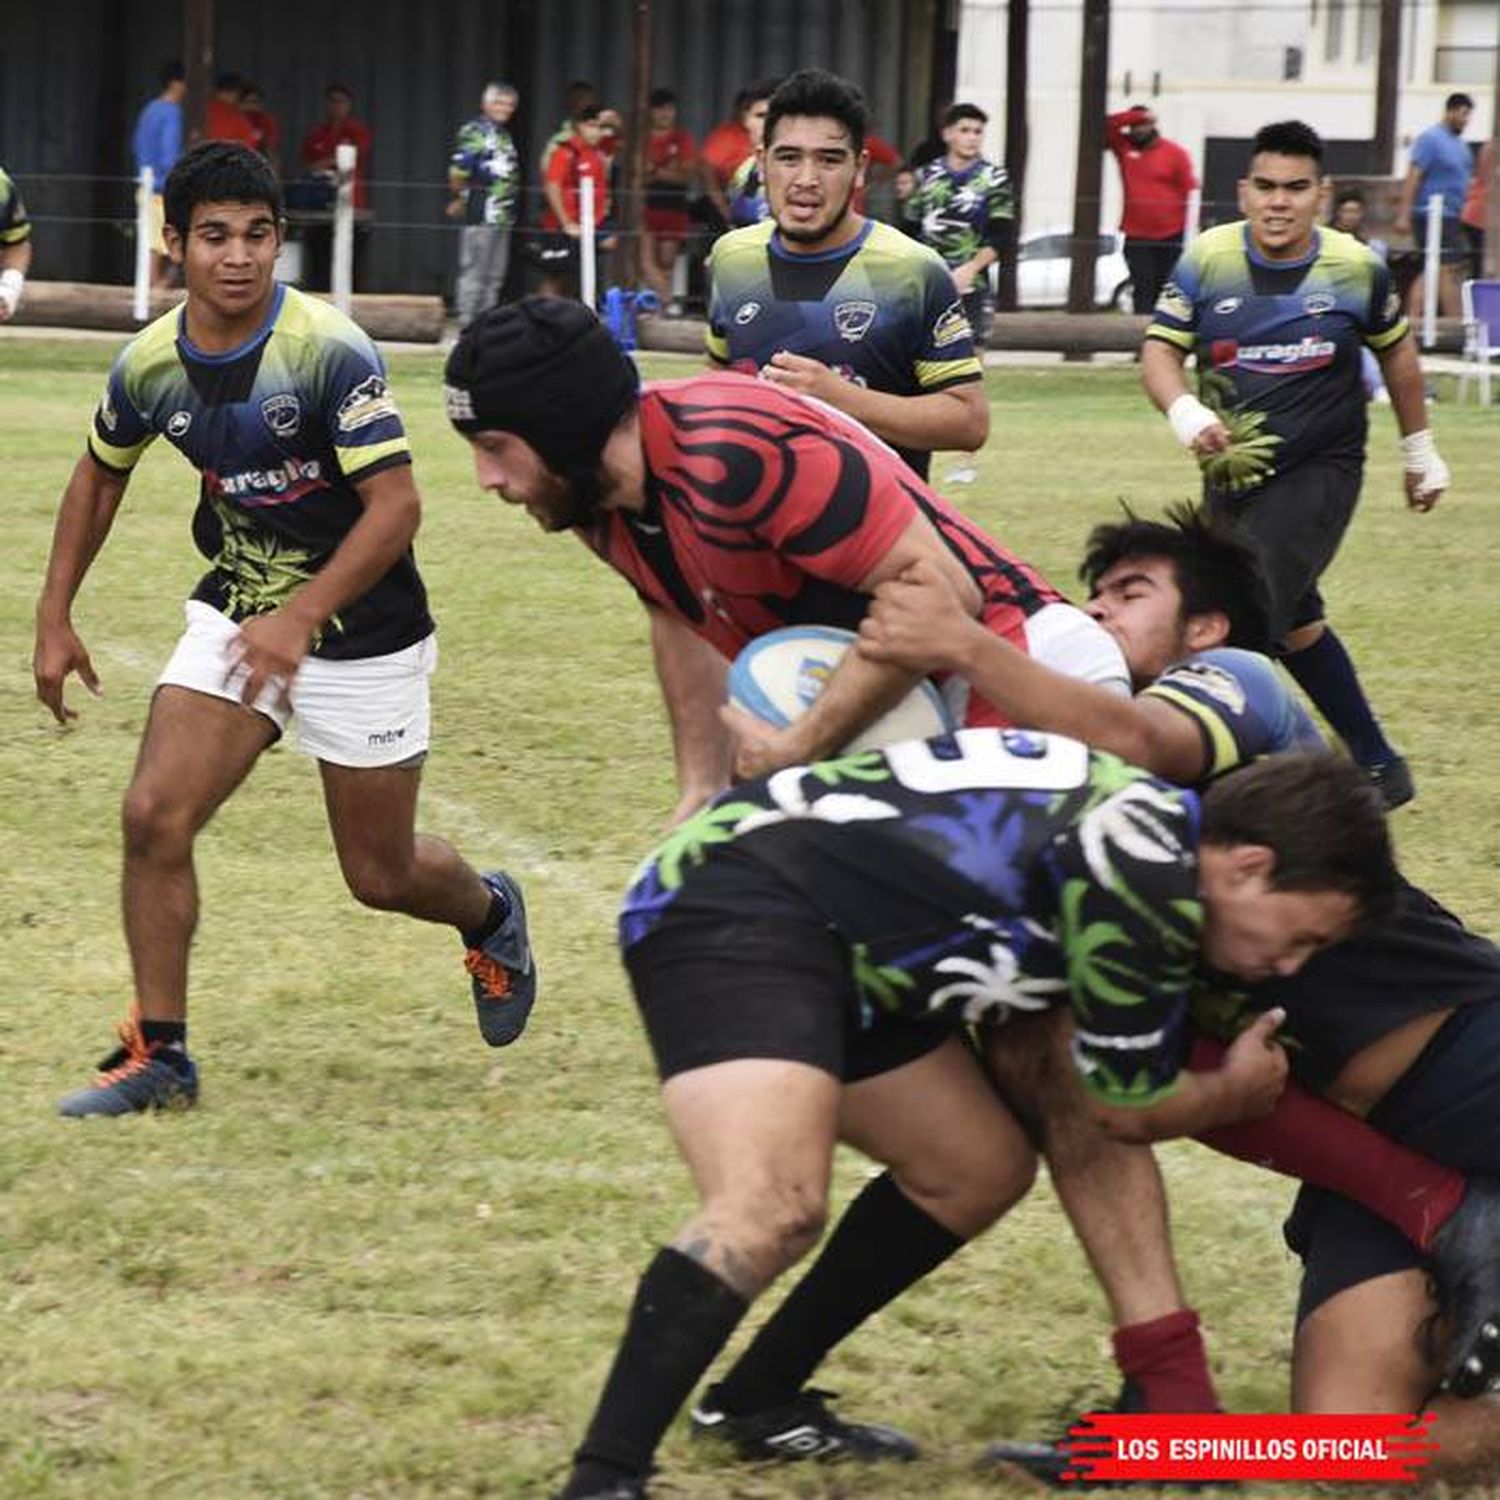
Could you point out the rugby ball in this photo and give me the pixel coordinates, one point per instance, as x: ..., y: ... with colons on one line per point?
x: 776, y: 677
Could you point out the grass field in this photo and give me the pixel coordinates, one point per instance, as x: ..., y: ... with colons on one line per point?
x: 383, y: 1261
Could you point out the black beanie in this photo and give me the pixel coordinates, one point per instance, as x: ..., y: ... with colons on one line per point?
x: 546, y: 369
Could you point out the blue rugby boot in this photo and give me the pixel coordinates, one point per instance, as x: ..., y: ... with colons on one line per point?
x: 135, y: 1077
x: 502, y: 969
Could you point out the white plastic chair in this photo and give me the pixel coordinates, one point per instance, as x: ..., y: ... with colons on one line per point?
x: 1481, y: 306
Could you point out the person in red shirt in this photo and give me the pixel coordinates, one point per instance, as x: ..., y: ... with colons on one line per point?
x: 734, y: 507
x: 671, y: 165
x: 572, y: 161
x: 319, y: 153
x: 263, y: 123
x: 1157, y: 175
x: 223, y: 117
x: 729, y: 145
x: 883, y: 162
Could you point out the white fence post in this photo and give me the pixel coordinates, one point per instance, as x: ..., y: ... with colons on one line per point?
x: 144, y: 193
x: 1194, y: 214
x: 588, y: 291
x: 343, y: 226
x: 1432, y: 269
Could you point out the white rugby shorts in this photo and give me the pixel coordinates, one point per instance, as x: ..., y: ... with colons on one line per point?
x: 375, y: 711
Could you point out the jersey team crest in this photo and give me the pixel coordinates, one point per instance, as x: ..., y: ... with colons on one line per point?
x: 853, y: 319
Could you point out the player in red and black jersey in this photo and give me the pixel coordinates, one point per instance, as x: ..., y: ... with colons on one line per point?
x: 734, y: 507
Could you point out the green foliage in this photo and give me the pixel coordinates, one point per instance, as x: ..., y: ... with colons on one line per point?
x: 383, y: 1261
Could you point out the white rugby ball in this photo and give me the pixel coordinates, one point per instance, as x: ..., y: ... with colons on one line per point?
x: 776, y: 677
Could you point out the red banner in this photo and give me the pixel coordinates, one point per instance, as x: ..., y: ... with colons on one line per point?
x: 1339, y: 1449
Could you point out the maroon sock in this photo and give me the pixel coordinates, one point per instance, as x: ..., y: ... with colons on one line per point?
x: 1307, y: 1137
x: 1166, y: 1360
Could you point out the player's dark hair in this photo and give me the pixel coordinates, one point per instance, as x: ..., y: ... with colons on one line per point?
x: 228, y: 82
x: 1216, y: 567
x: 339, y: 88
x: 586, y: 114
x: 753, y: 93
x: 1288, y: 138
x: 957, y: 112
x: 218, y: 172
x: 1349, y: 195
x: 1317, y: 811
x: 172, y: 72
x: 662, y: 96
x: 1458, y: 101
x: 820, y: 94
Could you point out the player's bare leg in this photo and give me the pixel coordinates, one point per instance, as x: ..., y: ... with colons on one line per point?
x: 1366, y: 1350
x: 757, y: 1136
x: 196, y: 750
x: 388, y: 865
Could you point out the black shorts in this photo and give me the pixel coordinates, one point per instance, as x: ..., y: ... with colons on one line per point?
x: 1446, y: 1105
x: 1451, y: 250
x: 713, y: 991
x: 1297, y: 520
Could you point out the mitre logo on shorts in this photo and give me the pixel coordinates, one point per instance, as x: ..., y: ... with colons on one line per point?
x: 853, y: 319
x: 747, y: 312
x: 951, y: 327
x: 369, y: 401
x: 283, y: 414
x: 178, y: 423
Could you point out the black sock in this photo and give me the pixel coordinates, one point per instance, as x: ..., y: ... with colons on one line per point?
x: 883, y: 1244
x: 1326, y: 674
x: 168, y: 1033
x: 681, y: 1318
x: 494, y: 919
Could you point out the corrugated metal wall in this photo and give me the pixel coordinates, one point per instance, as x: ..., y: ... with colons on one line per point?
x: 73, y: 74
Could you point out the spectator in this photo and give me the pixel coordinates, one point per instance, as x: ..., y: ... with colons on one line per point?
x: 746, y: 192
x: 728, y: 145
x: 571, y: 163
x: 484, y: 176
x: 265, y: 125
x: 671, y: 165
x: 15, y: 247
x: 1158, y: 177
x: 883, y: 164
x: 157, y: 143
x: 338, y: 127
x: 224, y: 118
x: 1475, y: 214
x: 1440, y: 164
x: 1349, y: 217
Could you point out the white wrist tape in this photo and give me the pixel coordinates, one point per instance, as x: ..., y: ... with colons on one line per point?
x: 1187, y: 417
x: 1419, y: 456
x: 12, y: 282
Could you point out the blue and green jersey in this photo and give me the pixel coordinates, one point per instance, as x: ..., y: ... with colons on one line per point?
x: 486, y: 165
x: 968, y: 876
x: 958, y: 212
x: 281, y: 429
x: 14, y: 225
x: 882, y: 311
x: 1283, y: 338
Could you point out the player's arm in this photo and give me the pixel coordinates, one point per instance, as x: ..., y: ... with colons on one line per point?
x: 859, y: 689
x: 1164, y: 375
x: 691, y: 673
x: 957, y: 417
x: 15, y: 264
x: 84, y: 517
x: 273, y: 645
x: 916, y: 622
x: 1245, y: 1087
x: 1426, y: 475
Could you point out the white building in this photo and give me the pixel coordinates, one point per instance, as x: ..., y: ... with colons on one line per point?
x: 1215, y: 70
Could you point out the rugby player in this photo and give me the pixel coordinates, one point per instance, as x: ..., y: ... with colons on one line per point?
x: 734, y: 508
x: 1277, y: 310
x: 930, y: 885
x: 821, y: 300
x: 312, y: 608
x: 1393, y: 1025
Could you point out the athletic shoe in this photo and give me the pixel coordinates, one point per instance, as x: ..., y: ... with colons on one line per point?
x: 502, y: 969
x: 1047, y: 1462
x: 1392, y: 779
x: 803, y: 1427
x: 1466, y: 1272
x: 964, y: 474
x: 136, y: 1077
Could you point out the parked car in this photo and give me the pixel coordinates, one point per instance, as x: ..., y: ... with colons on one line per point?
x: 1044, y: 264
